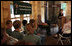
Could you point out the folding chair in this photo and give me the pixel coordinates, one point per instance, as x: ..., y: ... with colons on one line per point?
x: 62, y: 38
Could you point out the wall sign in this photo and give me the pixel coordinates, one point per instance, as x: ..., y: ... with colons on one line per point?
x: 22, y: 8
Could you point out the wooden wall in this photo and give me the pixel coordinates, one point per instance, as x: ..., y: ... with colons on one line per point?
x: 68, y: 12
x: 5, y: 12
x: 36, y: 9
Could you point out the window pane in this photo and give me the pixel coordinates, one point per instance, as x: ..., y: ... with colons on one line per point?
x: 24, y: 15
x: 28, y: 14
x: 12, y: 20
x: 12, y: 16
x: 25, y: 18
x: 63, y: 6
x: 28, y: 19
x: 11, y: 6
x: 13, y: 28
x: 17, y: 19
x: 17, y: 15
x: 11, y: 11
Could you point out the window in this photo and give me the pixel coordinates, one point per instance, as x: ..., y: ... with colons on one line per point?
x: 63, y: 6
x: 17, y: 17
x: 27, y: 17
x: 14, y: 20
x: 11, y: 9
x: 13, y: 17
x: 12, y: 12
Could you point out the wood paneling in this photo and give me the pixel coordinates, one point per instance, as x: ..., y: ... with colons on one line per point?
x: 5, y: 11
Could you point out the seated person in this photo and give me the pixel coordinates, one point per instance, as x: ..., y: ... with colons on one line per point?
x: 6, y: 39
x: 8, y: 27
x: 30, y: 37
x: 66, y: 31
x: 41, y: 33
x: 67, y: 28
x: 41, y: 30
x: 3, y: 36
x: 39, y: 22
x: 34, y: 25
x: 24, y: 22
x: 17, y: 32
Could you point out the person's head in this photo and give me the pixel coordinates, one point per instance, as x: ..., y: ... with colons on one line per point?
x: 24, y: 22
x: 17, y: 24
x: 32, y: 22
x: 9, y: 23
x: 39, y: 17
x: 61, y: 10
x: 29, y: 29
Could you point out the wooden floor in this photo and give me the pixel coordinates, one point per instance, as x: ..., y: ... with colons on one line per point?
x: 50, y: 40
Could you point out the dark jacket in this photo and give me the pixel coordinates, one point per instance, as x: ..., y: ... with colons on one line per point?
x: 60, y: 15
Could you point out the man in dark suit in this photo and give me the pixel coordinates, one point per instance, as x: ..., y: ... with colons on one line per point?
x: 60, y: 19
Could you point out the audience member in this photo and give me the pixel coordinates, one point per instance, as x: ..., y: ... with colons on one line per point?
x: 24, y: 22
x: 67, y: 28
x: 39, y: 22
x: 34, y: 25
x: 8, y: 27
x: 17, y: 32
x: 31, y: 37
